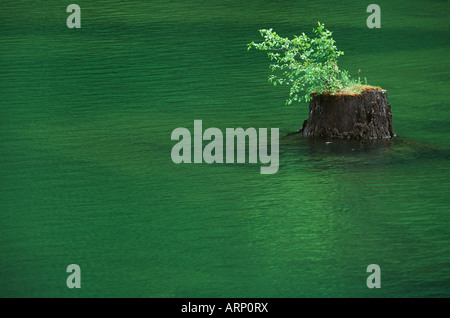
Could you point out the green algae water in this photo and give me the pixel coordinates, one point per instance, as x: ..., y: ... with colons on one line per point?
x: 86, y: 175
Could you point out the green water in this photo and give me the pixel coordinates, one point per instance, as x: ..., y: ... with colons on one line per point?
x: 86, y: 175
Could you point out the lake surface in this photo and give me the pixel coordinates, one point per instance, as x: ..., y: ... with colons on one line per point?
x: 86, y: 175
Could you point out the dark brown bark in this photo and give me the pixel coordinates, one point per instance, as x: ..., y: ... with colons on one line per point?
x: 359, y: 116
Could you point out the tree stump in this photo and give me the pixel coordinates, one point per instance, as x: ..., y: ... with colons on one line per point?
x: 366, y: 115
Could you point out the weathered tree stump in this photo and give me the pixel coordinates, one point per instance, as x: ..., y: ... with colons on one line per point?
x: 366, y: 115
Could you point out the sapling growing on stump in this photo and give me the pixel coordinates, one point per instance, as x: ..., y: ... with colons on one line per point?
x: 307, y: 65
x: 339, y: 106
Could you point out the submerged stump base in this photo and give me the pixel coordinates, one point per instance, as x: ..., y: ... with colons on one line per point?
x: 366, y: 115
